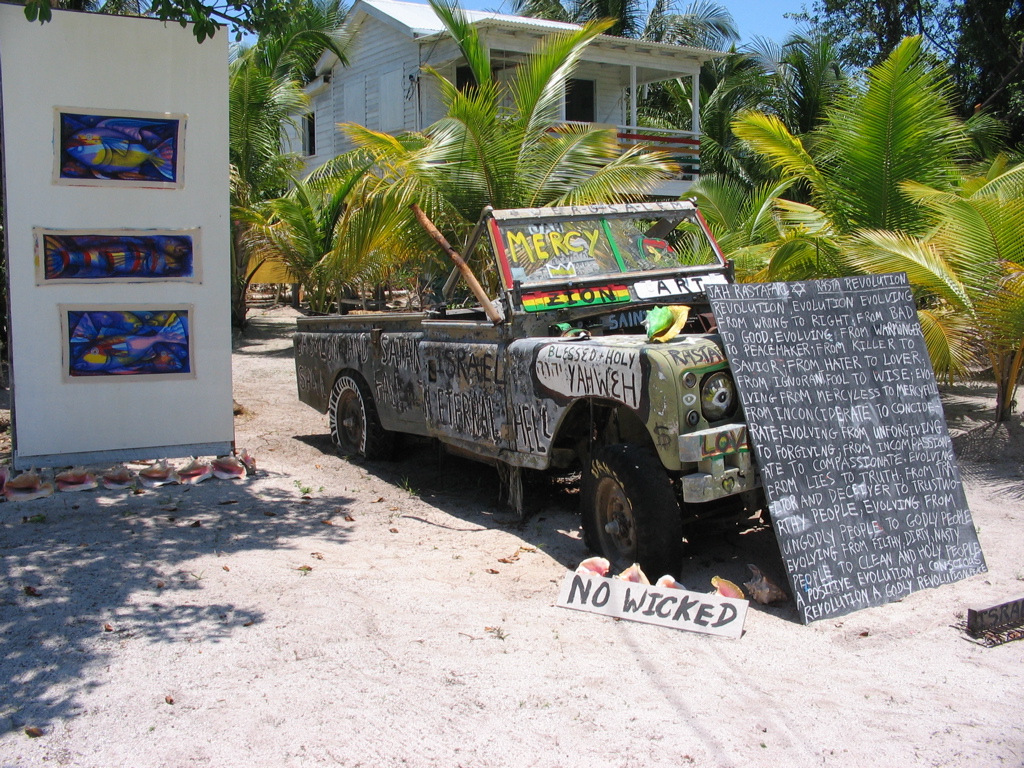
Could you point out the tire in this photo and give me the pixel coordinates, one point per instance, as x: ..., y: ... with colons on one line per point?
x: 630, y: 511
x: 355, y: 426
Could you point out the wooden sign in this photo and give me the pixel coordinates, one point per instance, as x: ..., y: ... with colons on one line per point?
x: 710, y: 614
x: 998, y: 617
x: 846, y: 423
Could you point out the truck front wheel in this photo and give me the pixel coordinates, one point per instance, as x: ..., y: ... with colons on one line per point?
x: 630, y: 512
x: 355, y: 426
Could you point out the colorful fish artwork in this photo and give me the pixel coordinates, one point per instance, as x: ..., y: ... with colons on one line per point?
x: 136, y: 342
x: 137, y: 149
x: 128, y: 255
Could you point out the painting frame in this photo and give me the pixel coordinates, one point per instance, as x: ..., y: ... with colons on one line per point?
x: 150, y: 150
x: 145, y: 361
x: 191, y: 274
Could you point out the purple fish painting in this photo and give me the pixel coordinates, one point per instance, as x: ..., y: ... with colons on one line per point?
x: 115, y: 255
x: 144, y: 151
x: 118, y: 342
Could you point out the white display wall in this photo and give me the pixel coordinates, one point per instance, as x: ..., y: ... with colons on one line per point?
x: 165, y: 391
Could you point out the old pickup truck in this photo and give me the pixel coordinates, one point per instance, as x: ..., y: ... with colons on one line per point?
x: 558, y: 373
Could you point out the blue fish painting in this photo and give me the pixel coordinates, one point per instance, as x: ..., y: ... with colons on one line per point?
x: 98, y: 255
x: 111, y: 342
x: 111, y: 148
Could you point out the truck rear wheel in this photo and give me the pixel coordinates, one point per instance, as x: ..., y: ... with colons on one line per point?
x: 355, y: 426
x: 630, y: 512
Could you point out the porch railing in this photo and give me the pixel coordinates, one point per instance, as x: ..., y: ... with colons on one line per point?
x: 682, y: 146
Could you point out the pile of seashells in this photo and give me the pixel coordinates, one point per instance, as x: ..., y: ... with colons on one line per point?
x: 33, y: 485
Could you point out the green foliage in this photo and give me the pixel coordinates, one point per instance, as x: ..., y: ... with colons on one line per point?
x: 891, y: 190
x: 989, y: 61
x: 969, y: 272
x: 496, y: 145
x: 254, y: 16
x: 264, y: 94
x: 340, y: 227
x: 702, y: 24
x: 868, y: 31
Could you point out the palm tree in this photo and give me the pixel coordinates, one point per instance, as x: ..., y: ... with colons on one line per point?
x: 484, y: 153
x: 969, y: 270
x: 887, y: 192
x: 703, y: 24
x: 898, y: 128
x: 265, y: 93
x: 339, y: 227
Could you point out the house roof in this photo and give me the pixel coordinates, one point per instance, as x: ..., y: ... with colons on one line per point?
x: 418, y: 20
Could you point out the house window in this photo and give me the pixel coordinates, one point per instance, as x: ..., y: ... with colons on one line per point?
x: 579, y: 100
x: 464, y: 77
x: 309, y: 134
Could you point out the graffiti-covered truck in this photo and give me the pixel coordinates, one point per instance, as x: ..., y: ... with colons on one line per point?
x: 557, y: 372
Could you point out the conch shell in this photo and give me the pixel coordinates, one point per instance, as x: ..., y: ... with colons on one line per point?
x: 27, y: 486
x: 118, y: 478
x: 195, y: 472
x: 726, y: 588
x: 76, y: 479
x: 248, y: 460
x: 635, y: 575
x: 159, y: 474
x: 229, y: 468
x: 595, y: 565
x: 664, y: 323
x: 668, y: 582
x: 763, y: 589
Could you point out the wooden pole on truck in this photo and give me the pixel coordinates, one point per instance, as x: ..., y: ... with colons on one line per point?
x: 467, y: 273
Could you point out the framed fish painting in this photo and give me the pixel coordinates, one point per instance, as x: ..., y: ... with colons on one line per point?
x: 120, y: 149
x: 116, y: 255
x: 147, y: 342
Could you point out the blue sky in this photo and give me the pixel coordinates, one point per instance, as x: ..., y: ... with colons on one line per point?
x: 755, y: 18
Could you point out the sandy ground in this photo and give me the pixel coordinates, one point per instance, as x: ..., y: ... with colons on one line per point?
x: 332, y: 613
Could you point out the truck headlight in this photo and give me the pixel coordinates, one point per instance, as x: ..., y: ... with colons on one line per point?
x: 718, y: 396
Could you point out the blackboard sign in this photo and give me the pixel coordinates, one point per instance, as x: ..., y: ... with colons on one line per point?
x: 848, y: 430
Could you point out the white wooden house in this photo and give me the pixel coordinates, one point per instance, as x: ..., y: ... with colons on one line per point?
x: 384, y: 88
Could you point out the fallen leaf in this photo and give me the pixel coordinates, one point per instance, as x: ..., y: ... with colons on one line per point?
x: 169, y: 699
x: 196, y: 524
x: 305, y: 568
x: 349, y: 519
x: 249, y: 623
x: 138, y: 491
x: 226, y: 502
x: 864, y: 633
x: 160, y: 585
x: 268, y: 513
x: 225, y: 568
x: 392, y: 509
x: 317, y: 555
x: 378, y: 500
x: 393, y: 530
x: 317, y: 466
x: 327, y: 522
x: 31, y: 591
x: 107, y: 628
x: 33, y: 732
x: 492, y: 570
x: 306, y: 496
x: 507, y: 559
x: 170, y: 508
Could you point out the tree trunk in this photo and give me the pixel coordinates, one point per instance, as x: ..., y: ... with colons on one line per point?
x: 239, y: 271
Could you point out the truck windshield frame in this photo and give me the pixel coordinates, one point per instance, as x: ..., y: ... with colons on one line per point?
x: 550, y: 247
